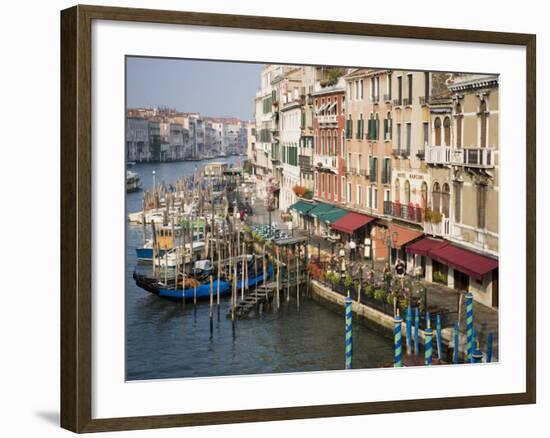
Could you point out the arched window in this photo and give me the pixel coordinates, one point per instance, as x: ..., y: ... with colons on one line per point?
x: 458, y: 133
x: 437, y: 128
x: 445, y: 199
x: 447, y: 130
x: 407, y: 192
x: 329, y: 144
x: 397, y: 190
x: 424, y: 194
x: 436, y: 197
x: 323, y: 143
x: 483, y: 124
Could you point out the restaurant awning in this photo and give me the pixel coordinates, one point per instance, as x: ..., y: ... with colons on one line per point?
x: 302, y: 207
x: 403, y: 235
x: 319, y: 209
x: 333, y: 215
x: 424, y: 246
x: 473, y: 264
x: 351, y: 222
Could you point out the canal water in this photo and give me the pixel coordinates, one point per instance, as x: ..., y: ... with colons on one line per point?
x: 167, y: 339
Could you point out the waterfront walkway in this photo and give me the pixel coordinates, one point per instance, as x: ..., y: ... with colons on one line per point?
x: 438, y: 295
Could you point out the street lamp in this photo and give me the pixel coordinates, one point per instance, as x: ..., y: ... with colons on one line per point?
x: 154, y: 180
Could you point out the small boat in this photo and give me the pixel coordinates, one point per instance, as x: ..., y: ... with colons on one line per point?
x: 203, y: 291
x: 133, y: 182
x: 166, y: 242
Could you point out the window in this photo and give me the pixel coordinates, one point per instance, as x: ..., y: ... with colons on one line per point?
x: 369, y: 197
x: 335, y: 185
x: 398, y: 137
x: 436, y: 197
x: 359, y: 196
x: 329, y: 177
x: 343, y: 186
x: 407, y: 192
x: 410, y: 85
x: 349, y: 127
x: 335, y: 143
x: 359, y: 161
x: 396, y: 191
x: 323, y: 142
x: 329, y: 144
x: 349, y: 192
x: 458, y: 126
x: 386, y: 171
x: 387, y: 126
x: 424, y: 195
x: 426, y: 129
x: 343, y: 143
x: 458, y: 200
x: 373, y: 168
x: 447, y: 130
x: 389, y: 86
x: 409, y: 129
x: 483, y: 124
x: 437, y: 129
x: 361, y: 85
x: 445, y: 198
x: 377, y: 91
x: 323, y: 183
x: 481, y: 194
x: 387, y: 196
x: 375, y: 197
x: 400, y: 89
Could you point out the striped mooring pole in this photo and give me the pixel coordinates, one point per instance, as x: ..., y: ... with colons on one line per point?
x: 469, y: 325
x: 397, y: 320
x: 456, y: 346
x: 349, y: 351
x: 477, y: 355
x: 438, y: 337
x: 474, y: 340
x: 489, y: 348
x: 416, y: 328
x: 409, y: 329
x: 428, y: 350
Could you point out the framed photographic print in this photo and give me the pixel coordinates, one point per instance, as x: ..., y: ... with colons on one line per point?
x: 293, y: 205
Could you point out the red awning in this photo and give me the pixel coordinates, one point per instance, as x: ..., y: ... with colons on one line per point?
x: 403, y: 235
x: 422, y: 247
x: 473, y: 264
x: 351, y: 222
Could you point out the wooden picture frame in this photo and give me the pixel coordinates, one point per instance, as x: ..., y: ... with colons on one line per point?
x: 76, y: 217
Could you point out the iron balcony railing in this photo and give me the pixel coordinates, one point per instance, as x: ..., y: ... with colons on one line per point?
x: 405, y: 212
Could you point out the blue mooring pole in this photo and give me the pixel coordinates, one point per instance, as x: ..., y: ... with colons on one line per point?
x: 469, y: 325
x: 416, y: 328
x: 409, y: 329
x: 489, y: 348
x: 456, y: 346
x: 438, y: 337
x: 428, y: 350
x: 397, y: 340
x: 349, y: 351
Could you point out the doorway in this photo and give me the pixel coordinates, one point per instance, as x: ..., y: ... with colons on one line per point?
x: 494, y: 300
x: 462, y: 281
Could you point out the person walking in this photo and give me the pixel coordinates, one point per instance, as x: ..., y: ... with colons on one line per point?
x: 352, y: 247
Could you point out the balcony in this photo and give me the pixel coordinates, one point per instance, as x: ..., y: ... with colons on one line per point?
x: 407, y: 101
x: 329, y: 162
x: 404, y: 212
x: 305, y: 163
x: 468, y: 157
x: 375, y: 99
x: 397, y: 102
x: 440, y: 229
x: 387, y: 98
x: 328, y: 119
x: 438, y: 155
x: 476, y: 157
x: 423, y: 100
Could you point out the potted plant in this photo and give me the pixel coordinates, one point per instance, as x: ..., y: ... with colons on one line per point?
x: 348, y: 281
x: 380, y: 295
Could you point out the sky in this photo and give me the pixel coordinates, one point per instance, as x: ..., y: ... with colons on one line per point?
x: 212, y: 88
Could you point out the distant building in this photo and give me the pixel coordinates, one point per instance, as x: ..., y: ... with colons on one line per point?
x: 137, y: 139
